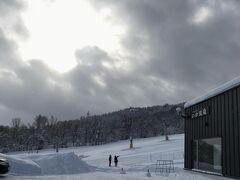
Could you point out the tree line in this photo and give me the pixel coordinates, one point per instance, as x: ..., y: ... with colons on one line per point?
x: 48, y: 132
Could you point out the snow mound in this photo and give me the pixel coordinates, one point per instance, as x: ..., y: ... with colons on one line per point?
x: 50, y: 164
x: 66, y: 163
x: 23, y: 166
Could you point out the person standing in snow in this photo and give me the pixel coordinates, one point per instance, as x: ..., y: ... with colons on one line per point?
x: 116, y: 160
x: 110, y: 160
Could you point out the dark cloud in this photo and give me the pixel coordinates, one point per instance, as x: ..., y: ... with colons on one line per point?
x: 193, y: 58
x: 167, y: 58
x: 9, y: 6
x: 10, y: 19
x: 90, y: 55
x: 8, y: 53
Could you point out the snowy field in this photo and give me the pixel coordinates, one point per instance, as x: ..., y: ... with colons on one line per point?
x: 91, y: 163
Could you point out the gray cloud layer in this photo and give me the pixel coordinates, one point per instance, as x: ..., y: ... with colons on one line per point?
x: 169, y: 59
x: 193, y: 58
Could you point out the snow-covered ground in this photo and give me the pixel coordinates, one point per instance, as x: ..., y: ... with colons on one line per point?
x: 91, y: 163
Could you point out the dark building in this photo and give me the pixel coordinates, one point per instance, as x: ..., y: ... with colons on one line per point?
x: 212, y: 131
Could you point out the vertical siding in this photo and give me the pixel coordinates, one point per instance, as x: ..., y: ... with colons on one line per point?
x: 223, y: 121
x: 235, y: 129
x: 226, y: 129
x: 220, y: 119
x: 187, y: 139
x: 238, y: 119
x: 212, y: 117
x: 216, y: 118
x: 224, y: 149
x: 230, y: 133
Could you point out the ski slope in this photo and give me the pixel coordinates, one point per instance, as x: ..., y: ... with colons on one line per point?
x: 91, y: 163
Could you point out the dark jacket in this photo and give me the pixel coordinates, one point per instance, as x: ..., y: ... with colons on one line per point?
x: 116, y: 159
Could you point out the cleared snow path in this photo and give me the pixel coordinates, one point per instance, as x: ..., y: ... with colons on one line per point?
x: 183, y: 175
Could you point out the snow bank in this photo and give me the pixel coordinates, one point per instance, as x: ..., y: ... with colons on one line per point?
x: 229, y: 85
x: 67, y: 163
x: 23, y: 166
x: 41, y: 164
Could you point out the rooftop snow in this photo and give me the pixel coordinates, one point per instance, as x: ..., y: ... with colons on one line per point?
x: 229, y: 85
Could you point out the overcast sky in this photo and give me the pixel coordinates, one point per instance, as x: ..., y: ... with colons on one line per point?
x: 68, y: 57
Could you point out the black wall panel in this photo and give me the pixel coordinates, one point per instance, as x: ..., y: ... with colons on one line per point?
x: 222, y: 121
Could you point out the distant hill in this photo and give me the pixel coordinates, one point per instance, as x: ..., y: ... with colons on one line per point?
x: 133, y: 122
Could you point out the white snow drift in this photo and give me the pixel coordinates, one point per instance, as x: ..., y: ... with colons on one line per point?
x: 42, y: 164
